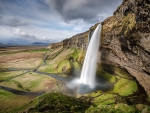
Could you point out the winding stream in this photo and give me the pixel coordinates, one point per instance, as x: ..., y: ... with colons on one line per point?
x: 65, y: 80
x: 18, y: 92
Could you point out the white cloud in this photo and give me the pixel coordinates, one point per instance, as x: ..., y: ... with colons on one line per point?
x: 45, y: 34
x: 17, y: 31
x: 6, y: 32
x: 23, y: 33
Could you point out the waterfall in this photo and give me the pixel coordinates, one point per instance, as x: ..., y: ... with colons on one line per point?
x: 88, y: 82
x: 89, y: 65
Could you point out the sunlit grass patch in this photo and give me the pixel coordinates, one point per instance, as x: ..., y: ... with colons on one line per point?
x: 28, y: 82
x: 9, y: 75
x: 64, y: 66
x: 106, y: 76
x: 61, y: 63
x: 125, y: 87
x: 104, y: 99
x: 55, y: 103
x: 118, y: 108
x: 10, y: 101
x: 74, y: 54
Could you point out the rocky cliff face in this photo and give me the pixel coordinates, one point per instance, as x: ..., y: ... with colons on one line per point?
x: 78, y: 41
x: 126, y: 40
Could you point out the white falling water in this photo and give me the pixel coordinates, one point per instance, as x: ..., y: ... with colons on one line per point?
x: 89, y: 66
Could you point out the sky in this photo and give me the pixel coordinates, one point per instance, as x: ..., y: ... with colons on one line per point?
x: 48, y: 21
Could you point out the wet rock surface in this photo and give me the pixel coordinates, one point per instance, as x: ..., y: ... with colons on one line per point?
x: 126, y: 40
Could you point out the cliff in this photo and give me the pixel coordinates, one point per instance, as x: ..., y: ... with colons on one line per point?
x: 79, y: 41
x: 126, y: 40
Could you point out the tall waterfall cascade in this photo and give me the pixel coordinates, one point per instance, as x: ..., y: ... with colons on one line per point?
x: 90, y: 62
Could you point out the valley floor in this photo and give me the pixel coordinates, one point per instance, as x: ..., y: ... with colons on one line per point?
x: 20, y: 79
x: 34, y: 80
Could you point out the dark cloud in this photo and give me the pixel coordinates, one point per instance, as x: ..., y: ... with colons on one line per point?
x: 88, y: 10
x: 12, y: 21
x: 15, y: 13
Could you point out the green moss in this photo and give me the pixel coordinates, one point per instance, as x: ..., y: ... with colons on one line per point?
x: 124, y: 83
x: 76, y: 66
x: 74, y: 54
x: 50, y: 68
x: 125, y: 87
x: 64, y: 66
x: 55, y: 102
x: 64, y: 62
x: 118, y: 108
x: 122, y: 73
x: 59, y: 67
x: 128, y: 23
x: 104, y: 99
x: 108, y: 77
x: 95, y: 94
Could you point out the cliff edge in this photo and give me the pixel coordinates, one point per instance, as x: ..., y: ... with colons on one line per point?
x: 126, y: 40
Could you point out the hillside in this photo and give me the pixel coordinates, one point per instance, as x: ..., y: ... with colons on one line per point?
x: 123, y: 69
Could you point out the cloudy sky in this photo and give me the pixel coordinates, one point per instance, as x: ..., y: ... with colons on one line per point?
x: 27, y: 21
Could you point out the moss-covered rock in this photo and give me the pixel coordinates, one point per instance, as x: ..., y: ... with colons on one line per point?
x: 124, y: 84
x: 55, y: 103
x: 118, y: 108
x: 125, y: 37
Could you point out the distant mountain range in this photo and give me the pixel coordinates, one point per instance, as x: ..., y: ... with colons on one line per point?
x: 21, y: 42
x: 24, y: 44
x: 39, y: 43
